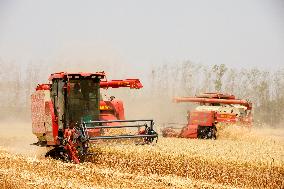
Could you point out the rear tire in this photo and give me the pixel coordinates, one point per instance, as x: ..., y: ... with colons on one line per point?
x: 206, y: 132
x: 214, y: 133
x: 58, y: 153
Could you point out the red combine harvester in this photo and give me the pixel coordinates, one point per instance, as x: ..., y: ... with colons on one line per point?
x: 68, y: 114
x: 213, y: 108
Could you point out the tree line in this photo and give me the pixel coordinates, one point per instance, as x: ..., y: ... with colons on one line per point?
x: 265, y: 89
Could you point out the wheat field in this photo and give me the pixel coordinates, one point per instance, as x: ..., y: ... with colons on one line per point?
x: 236, y: 160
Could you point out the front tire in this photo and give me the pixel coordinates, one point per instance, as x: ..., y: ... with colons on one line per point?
x: 206, y: 132
x: 58, y: 153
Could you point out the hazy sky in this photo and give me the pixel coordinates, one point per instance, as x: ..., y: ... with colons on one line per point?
x: 238, y: 33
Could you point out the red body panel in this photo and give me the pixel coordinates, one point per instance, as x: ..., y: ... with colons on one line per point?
x: 189, y: 132
x: 226, y: 118
x: 43, y: 87
x: 54, y: 123
x: 197, y: 118
x: 205, y: 118
x: 53, y: 131
x: 114, y: 108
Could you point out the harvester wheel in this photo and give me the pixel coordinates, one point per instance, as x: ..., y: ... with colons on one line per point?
x: 149, y: 140
x: 214, y: 133
x: 205, y: 132
x: 58, y: 153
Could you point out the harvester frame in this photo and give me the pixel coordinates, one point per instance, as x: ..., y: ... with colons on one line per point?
x: 66, y: 114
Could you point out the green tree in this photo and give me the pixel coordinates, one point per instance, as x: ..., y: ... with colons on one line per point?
x: 219, y: 71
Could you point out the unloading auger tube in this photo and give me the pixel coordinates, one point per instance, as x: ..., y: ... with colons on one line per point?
x: 214, y: 100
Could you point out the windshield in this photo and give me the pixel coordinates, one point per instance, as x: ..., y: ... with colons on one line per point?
x: 83, y: 100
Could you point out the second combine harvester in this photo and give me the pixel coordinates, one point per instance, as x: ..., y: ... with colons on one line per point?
x: 213, y: 108
x: 69, y: 113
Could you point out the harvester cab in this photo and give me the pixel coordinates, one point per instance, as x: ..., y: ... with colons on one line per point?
x: 213, y: 108
x: 66, y: 115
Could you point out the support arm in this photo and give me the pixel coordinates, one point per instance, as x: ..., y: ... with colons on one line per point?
x: 131, y: 83
x: 213, y: 100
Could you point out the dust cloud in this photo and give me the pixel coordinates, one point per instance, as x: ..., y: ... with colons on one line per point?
x: 16, y: 137
x: 236, y: 132
x: 15, y: 124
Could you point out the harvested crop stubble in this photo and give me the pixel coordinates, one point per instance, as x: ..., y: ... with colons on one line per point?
x: 21, y: 172
x: 249, y: 162
x: 245, y: 161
